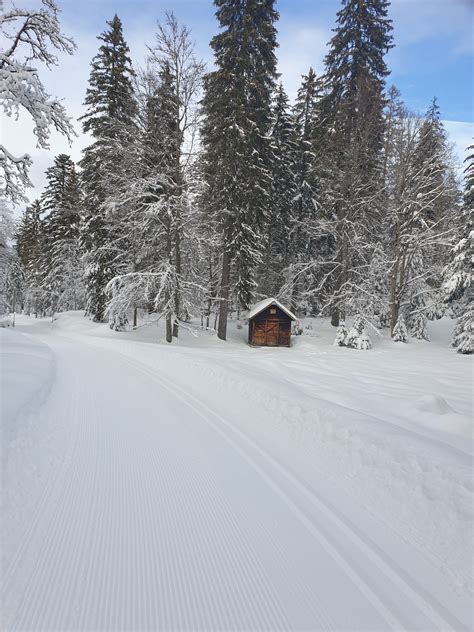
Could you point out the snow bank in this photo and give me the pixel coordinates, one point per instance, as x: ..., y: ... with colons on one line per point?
x: 27, y: 375
x: 434, y: 412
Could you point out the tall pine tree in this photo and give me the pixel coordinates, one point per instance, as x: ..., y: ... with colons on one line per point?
x: 277, y: 252
x: 235, y: 134
x: 353, y: 110
x: 458, y: 273
x: 30, y: 246
x: 61, y: 264
x: 111, y: 110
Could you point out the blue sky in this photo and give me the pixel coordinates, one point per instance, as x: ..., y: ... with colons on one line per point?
x: 433, y: 38
x: 433, y: 54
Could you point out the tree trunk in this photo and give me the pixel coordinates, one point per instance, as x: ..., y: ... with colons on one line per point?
x: 169, y: 330
x: 335, y: 317
x: 394, y: 304
x: 135, y: 317
x: 177, y: 259
x: 224, y: 296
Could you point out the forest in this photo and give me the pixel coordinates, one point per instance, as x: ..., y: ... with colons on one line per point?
x: 204, y: 189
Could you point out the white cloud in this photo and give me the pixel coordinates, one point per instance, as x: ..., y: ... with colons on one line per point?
x: 418, y: 20
x: 300, y: 48
x: 461, y: 135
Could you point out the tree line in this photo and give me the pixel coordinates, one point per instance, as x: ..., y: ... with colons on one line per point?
x: 203, y: 191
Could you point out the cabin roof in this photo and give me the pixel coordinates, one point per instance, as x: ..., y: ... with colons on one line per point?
x: 262, y: 305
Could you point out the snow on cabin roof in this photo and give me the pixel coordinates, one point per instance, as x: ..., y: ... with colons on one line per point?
x: 261, y: 305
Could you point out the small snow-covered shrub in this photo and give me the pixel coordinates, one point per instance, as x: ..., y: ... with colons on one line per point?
x: 418, y: 327
x: 362, y: 342
x: 341, y: 335
x: 400, y: 331
x: 118, y: 322
x: 6, y: 320
x: 463, y: 336
x: 297, y: 328
x: 358, y: 338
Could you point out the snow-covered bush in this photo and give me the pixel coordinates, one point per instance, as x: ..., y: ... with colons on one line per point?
x: 6, y: 320
x: 400, y: 331
x: 341, y: 335
x: 463, y: 336
x: 418, y: 326
x: 357, y: 337
x: 297, y: 328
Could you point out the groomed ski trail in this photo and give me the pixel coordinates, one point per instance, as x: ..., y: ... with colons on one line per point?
x: 162, y: 515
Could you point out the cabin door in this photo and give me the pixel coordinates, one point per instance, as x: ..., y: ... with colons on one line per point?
x: 272, y: 331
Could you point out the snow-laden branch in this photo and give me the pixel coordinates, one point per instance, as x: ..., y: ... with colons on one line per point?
x: 34, y: 36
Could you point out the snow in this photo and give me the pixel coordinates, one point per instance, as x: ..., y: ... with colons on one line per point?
x: 261, y: 305
x: 206, y: 485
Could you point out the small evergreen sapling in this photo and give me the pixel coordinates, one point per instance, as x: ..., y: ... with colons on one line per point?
x: 341, y: 335
x: 418, y: 326
x: 400, y: 332
x: 463, y: 336
x: 357, y: 337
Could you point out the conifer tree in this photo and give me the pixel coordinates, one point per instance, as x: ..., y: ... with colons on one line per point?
x: 111, y: 110
x: 30, y: 248
x: 341, y: 335
x: 353, y: 110
x: 400, y: 332
x: 358, y: 338
x: 237, y: 111
x: 277, y: 252
x: 305, y: 204
x: 422, y: 208
x: 11, y: 274
x: 61, y: 263
x: 458, y: 272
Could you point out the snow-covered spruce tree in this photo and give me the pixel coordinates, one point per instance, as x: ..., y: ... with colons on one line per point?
x: 30, y: 246
x: 235, y: 137
x: 458, y: 273
x: 400, y: 332
x: 111, y: 110
x: 422, y: 208
x: 358, y: 338
x: 277, y: 250
x: 11, y: 274
x: 341, y: 335
x: 352, y: 108
x: 32, y: 37
x: 302, y: 225
x: 62, y: 262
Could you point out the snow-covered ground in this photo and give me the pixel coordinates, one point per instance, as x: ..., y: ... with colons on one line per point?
x: 212, y: 486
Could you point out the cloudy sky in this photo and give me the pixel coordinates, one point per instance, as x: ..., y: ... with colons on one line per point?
x: 432, y: 57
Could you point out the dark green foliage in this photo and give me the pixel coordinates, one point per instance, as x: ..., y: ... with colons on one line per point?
x: 111, y: 110
x: 352, y: 114
x: 283, y: 173
x: 61, y: 265
x: 458, y: 272
x: 237, y: 108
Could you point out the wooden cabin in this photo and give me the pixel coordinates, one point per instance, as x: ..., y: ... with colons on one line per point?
x: 270, y: 324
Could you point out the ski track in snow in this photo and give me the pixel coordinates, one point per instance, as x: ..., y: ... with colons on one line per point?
x: 333, y: 520
x: 162, y: 514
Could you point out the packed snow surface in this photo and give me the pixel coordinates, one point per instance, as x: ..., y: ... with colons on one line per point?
x: 206, y: 485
